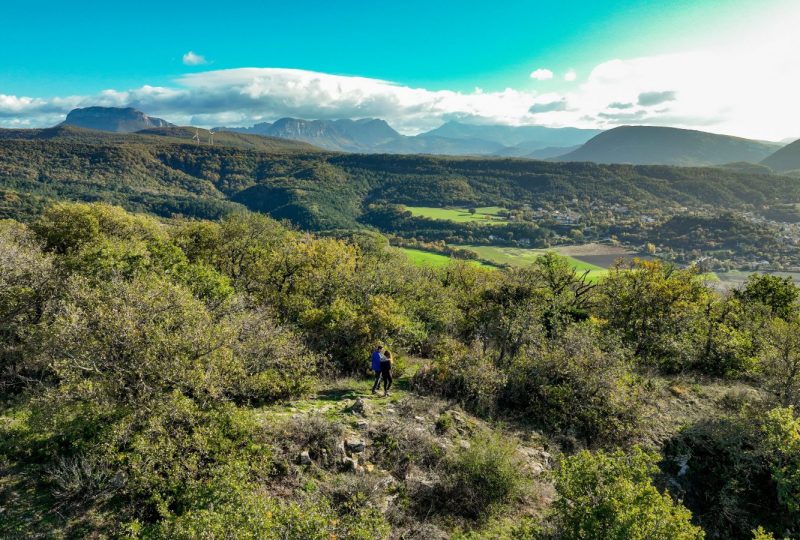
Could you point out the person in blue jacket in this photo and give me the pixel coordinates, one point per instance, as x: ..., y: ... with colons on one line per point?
x: 377, y: 358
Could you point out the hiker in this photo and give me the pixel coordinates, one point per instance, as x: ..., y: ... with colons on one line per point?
x: 377, y: 359
x: 386, y: 372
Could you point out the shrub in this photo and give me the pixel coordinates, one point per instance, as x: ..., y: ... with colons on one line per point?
x: 611, y: 495
x: 27, y: 283
x: 272, y: 361
x: 472, y: 379
x: 581, y: 384
x: 396, y: 448
x: 655, y: 308
x: 780, y: 361
x: 722, y: 468
x: 478, y: 480
x: 782, y: 430
x: 81, y: 478
x: 126, y: 342
x: 174, y: 455
x: 317, y: 434
x: 778, y: 294
x: 255, y: 515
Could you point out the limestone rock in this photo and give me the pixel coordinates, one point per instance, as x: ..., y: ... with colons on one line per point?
x: 355, y: 446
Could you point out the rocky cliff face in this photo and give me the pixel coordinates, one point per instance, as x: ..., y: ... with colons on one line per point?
x: 120, y: 120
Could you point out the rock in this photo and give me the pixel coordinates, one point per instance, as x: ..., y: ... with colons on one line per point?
x: 340, y: 452
x: 536, y: 468
x: 464, y: 444
x: 355, y: 446
x: 360, y: 407
x: 350, y: 464
x: 389, y: 410
x: 120, y: 120
x: 362, y: 425
x: 419, y: 419
x: 305, y: 458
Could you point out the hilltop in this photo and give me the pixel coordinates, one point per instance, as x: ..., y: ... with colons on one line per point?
x: 117, y: 119
x: 641, y: 145
x: 786, y: 159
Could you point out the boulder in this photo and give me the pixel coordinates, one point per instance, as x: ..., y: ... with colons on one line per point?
x: 305, y: 458
x: 360, y: 407
x: 355, y: 446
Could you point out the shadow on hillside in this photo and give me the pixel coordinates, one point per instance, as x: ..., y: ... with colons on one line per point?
x: 338, y: 394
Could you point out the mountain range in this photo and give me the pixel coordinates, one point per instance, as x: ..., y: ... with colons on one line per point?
x: 372, y: 135
x: 637, y: 145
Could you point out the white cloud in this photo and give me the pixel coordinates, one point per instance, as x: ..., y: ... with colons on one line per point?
x: 541, y: 74
x: 746, y: 87
x: 193, y: 59
x: 570, y: 75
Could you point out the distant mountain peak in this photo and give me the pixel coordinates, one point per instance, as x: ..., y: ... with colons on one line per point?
x: 452, y: 138
x: 116, y: 119
x: 346, y: 134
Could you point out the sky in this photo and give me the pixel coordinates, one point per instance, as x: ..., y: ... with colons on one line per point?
x: 728, y: 66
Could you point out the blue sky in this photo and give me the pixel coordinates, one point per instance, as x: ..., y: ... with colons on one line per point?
x: 63, y: 51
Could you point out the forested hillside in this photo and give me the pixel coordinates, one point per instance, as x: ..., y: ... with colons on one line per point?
x: 786, y: 159
x: 159, y: 172
x: 186, y: 378
x: 309, y: 187
x: 669, y: 146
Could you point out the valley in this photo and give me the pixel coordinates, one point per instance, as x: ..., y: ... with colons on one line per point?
x: 519, y: 270
x: 724, y: 218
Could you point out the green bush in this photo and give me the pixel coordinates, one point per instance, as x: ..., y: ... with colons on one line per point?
x: 611, y: 495
x: 580, y: 385
x: 655, y: 307
x: 174, y: 455
x: 782, y: 430
x: 471, y: 378
x: 478, y: 480
x: 27, y: 282
x: 257, y: 516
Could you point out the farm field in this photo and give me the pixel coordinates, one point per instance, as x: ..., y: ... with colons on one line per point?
x: 524, y: 257
x: 485, y: 214
x: 601, y: 255
x: 735, y: 278
x: 581, y: 257
x: 427, y: 258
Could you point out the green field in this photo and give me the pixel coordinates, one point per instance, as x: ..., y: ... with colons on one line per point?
x: 500, y: 256
x: 485, y: 214
x: 524, y: 257
x: 425, y: 258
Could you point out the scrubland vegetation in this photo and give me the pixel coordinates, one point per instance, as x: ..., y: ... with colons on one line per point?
x: 198, y: 379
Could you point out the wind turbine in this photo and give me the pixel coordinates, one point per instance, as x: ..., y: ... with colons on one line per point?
x: 211, y: 136
x: 196, y: 137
